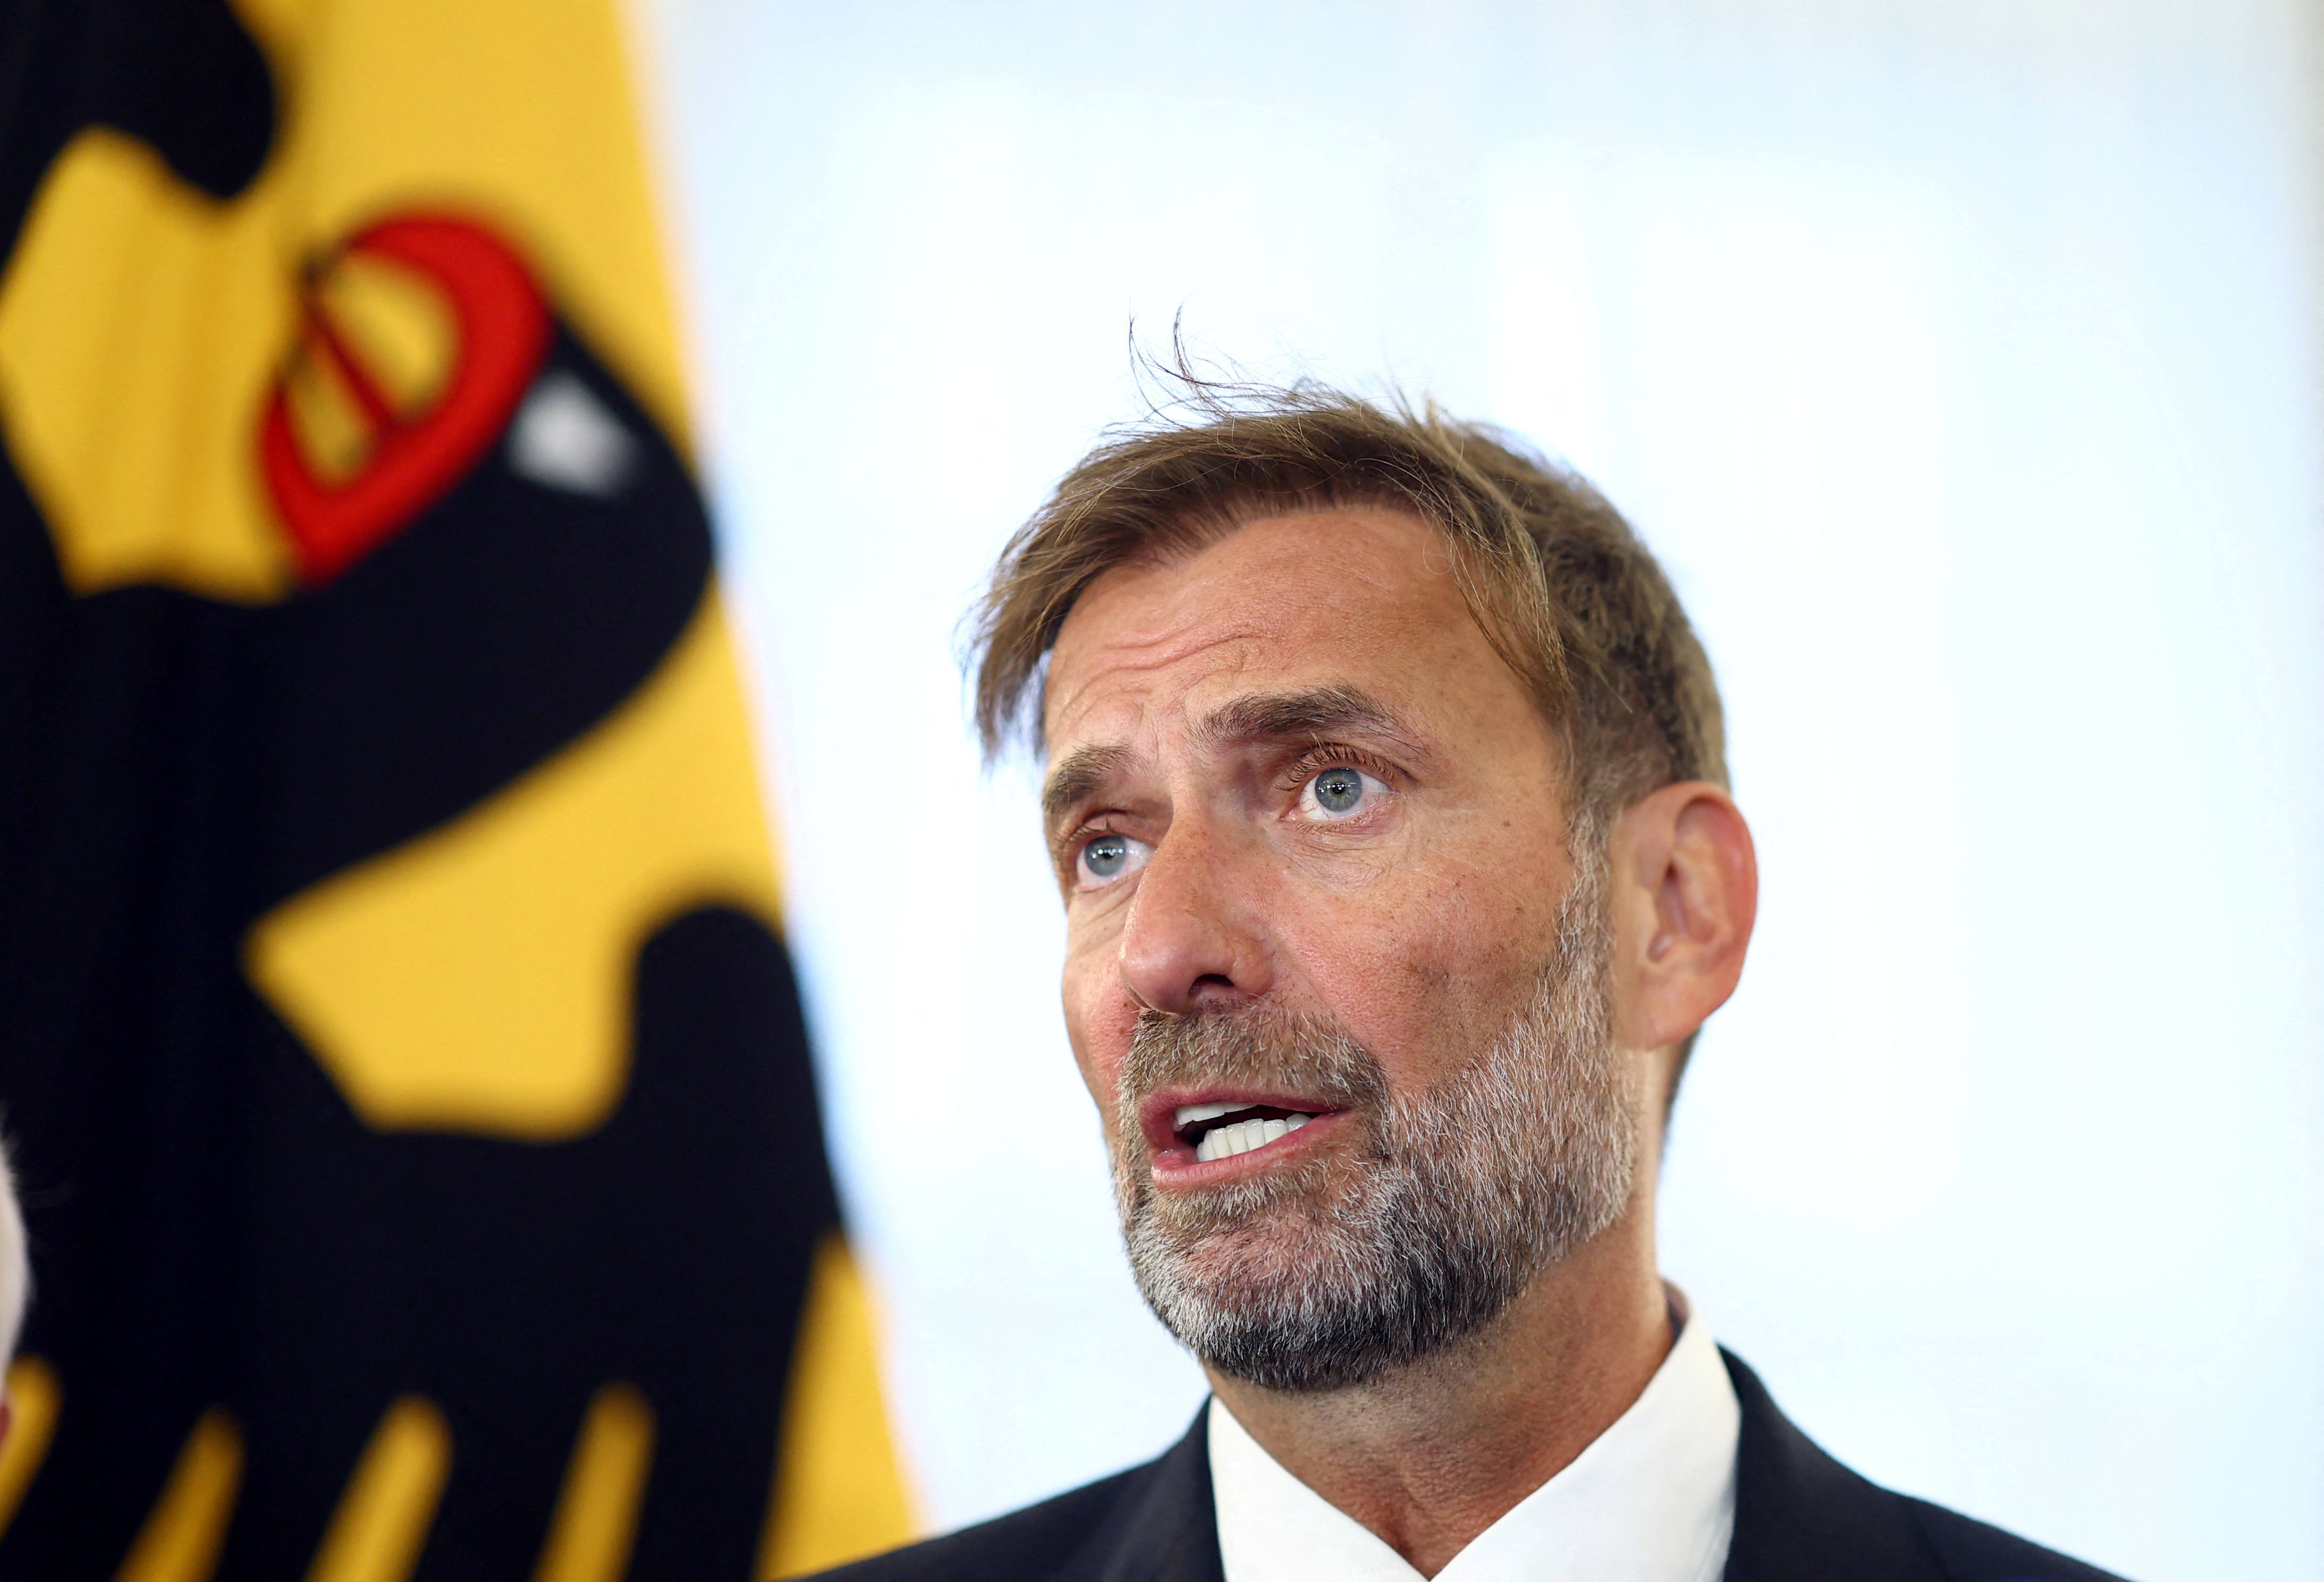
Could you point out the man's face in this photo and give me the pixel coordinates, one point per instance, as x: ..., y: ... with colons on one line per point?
x: 1311, y: 838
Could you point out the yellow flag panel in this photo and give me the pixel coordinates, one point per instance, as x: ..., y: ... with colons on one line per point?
x: 425, y: 1170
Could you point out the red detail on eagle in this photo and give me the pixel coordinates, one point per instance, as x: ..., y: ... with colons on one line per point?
x: 502, y: 327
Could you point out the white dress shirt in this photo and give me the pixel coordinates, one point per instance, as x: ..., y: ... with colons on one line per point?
x: 1652, y: 1499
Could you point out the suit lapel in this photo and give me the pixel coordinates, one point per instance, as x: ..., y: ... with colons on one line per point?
x: 1165, y: 1529
x: 1799, y: 1516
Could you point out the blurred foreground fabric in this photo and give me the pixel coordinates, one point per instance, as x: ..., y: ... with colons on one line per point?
x: 406, y: 1075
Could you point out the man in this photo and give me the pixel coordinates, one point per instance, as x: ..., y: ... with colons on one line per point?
x: 1386, y: 796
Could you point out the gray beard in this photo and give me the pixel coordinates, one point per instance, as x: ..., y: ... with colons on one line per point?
x: 1462, y: 1194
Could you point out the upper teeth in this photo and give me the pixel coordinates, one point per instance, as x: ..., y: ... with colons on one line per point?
x: 1225, y: 1142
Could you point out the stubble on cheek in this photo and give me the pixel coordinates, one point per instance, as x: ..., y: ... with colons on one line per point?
x: 1255, y: 1246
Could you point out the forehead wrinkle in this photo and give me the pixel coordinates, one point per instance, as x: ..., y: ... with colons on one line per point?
x: 1137, y: 656
x: 1099, y: 687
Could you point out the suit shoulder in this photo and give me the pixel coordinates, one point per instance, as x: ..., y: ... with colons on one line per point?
x: 1971, y: 1552
x: 1021, y: 1546
x: 1801, y: 1514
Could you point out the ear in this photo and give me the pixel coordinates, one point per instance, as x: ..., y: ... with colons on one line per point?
x: 1685, y: 890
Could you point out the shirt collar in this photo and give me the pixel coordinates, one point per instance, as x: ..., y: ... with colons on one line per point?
x: 1652, y: 1499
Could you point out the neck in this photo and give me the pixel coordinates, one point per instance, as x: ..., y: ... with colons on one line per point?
x: 1431, y: 1455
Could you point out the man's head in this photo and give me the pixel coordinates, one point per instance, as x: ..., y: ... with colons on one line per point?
x: 1383, y: 792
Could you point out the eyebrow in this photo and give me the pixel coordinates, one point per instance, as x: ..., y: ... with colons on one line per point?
x: 1078, y: 773
x: 1309, y: 715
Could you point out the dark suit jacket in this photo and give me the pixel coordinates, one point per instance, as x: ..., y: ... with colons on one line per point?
x: 1799, y: 1516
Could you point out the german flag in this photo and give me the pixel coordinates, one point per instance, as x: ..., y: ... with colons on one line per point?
x: 406, y: 1076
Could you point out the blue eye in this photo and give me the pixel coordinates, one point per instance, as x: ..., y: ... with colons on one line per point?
x: 1339, y: 792
x: 1107, y: 857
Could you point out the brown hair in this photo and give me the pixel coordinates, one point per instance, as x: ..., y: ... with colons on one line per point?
x: 1557, y: 580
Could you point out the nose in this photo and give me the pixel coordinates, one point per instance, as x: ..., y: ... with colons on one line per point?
x: 1194, y: 938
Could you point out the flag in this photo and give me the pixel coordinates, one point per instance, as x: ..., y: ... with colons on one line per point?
x: 407, y: 1081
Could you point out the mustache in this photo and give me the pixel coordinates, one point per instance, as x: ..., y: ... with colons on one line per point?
x: 1256, y: 1044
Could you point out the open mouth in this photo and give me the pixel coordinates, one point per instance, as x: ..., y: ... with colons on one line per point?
x: 1221, y: 1130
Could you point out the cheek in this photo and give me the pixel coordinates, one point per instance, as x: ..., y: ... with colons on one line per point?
x: 1099, y: 1020
x: 1436, y: 969
x: 1381, y: 972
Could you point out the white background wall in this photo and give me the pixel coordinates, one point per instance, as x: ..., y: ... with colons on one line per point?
x: 1960, y: 359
